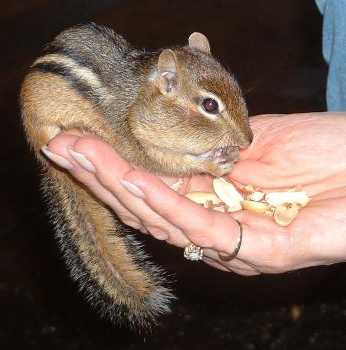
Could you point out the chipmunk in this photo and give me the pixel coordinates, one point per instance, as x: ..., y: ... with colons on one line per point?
x: 176, y: 111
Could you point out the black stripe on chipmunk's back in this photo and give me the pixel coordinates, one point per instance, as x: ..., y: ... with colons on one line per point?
x: 67, y: 73
x: 97, y: 35
x: 82, y: 61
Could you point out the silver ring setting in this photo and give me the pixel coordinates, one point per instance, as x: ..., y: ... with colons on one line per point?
x: 193, y: 252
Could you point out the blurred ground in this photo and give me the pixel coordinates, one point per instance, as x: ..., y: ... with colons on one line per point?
x: 273, y: 47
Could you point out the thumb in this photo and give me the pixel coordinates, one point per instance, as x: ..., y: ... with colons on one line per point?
x: 256, y: 173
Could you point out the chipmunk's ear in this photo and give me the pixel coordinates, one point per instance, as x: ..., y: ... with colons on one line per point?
x: 167, y: 80
x: 200, y: 42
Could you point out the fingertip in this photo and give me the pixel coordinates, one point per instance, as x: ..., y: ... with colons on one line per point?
x: 255, y: 173
x: 102, y: 155
x: 60, y: 144
x: 91, y: 146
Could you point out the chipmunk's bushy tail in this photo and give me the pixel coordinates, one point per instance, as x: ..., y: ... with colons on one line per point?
x: 112, y: 270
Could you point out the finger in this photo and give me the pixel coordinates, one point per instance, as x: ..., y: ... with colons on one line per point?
x: 60, y: 146
x: 110, y: 169
x: 266, y: 246
x: 258, y: 174
x: 99, y: 168
x: 234, y: 264
x: 215, y: 264
x: 244, y: 273
x: 222, y: 267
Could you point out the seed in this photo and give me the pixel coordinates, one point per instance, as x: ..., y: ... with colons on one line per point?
x: 278, y: 198
x: 228, y: 194
x: 257, y: 207
x: 203, y: 197
x: 282, y: 206
x: 285, y: 213
x: 255, y: 196
x: 249, y: 188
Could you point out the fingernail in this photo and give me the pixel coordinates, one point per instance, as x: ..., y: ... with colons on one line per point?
x: 82, y: 160
x: 132, y: 189
x: 56, y: 158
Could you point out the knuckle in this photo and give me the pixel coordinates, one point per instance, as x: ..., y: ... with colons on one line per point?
x: 202, y: 240
x: 83, y: 176
x: 130, y: 222
x: 143, y: 230
x: 209, y: 229
x: 158, y: 232
x: 89, y: 145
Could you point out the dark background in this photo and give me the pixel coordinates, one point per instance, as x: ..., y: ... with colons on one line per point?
x: 274, y: 49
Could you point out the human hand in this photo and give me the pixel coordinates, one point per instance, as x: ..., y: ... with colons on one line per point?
x: 266, y: 247
x: 304, y: 150
x: 97, y: 166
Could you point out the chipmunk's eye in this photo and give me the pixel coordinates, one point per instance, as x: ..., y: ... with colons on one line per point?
x: 210, y: 105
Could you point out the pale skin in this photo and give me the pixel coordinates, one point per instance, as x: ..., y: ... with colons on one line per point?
x: 304, y: 150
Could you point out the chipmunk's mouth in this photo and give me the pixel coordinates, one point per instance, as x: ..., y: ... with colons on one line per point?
x: 221, y: 155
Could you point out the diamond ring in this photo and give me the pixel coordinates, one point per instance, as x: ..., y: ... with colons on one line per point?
x: 193, y: 252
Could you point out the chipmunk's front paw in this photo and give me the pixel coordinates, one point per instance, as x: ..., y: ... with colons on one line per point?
x: 219, y: 169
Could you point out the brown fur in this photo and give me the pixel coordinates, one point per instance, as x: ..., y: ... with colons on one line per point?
x: 146, y: 106
x: 46, y: 113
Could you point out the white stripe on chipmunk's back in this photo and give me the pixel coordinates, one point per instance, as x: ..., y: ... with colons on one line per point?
x: 77, y: 70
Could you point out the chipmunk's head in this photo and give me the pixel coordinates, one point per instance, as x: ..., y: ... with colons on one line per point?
x: 193, y: 114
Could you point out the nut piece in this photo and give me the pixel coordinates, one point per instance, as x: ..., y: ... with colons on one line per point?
x: 285, y: 213
x: 278, y: 198
x: 232, y: 209
x: 203, y: 197
x: 282, y: 206
x: 228, y: 194
x: 255, y: 196
x: 257, y: 207
x: 249, y: 188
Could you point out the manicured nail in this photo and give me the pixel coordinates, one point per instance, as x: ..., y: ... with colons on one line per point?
x: 82, y: 160
x: 56, y: 158
x: 132, y: 189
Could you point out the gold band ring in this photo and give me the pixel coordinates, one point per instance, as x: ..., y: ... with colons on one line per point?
x: 229, y: 257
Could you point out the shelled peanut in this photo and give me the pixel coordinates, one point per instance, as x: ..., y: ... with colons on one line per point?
x: 282, y: 206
